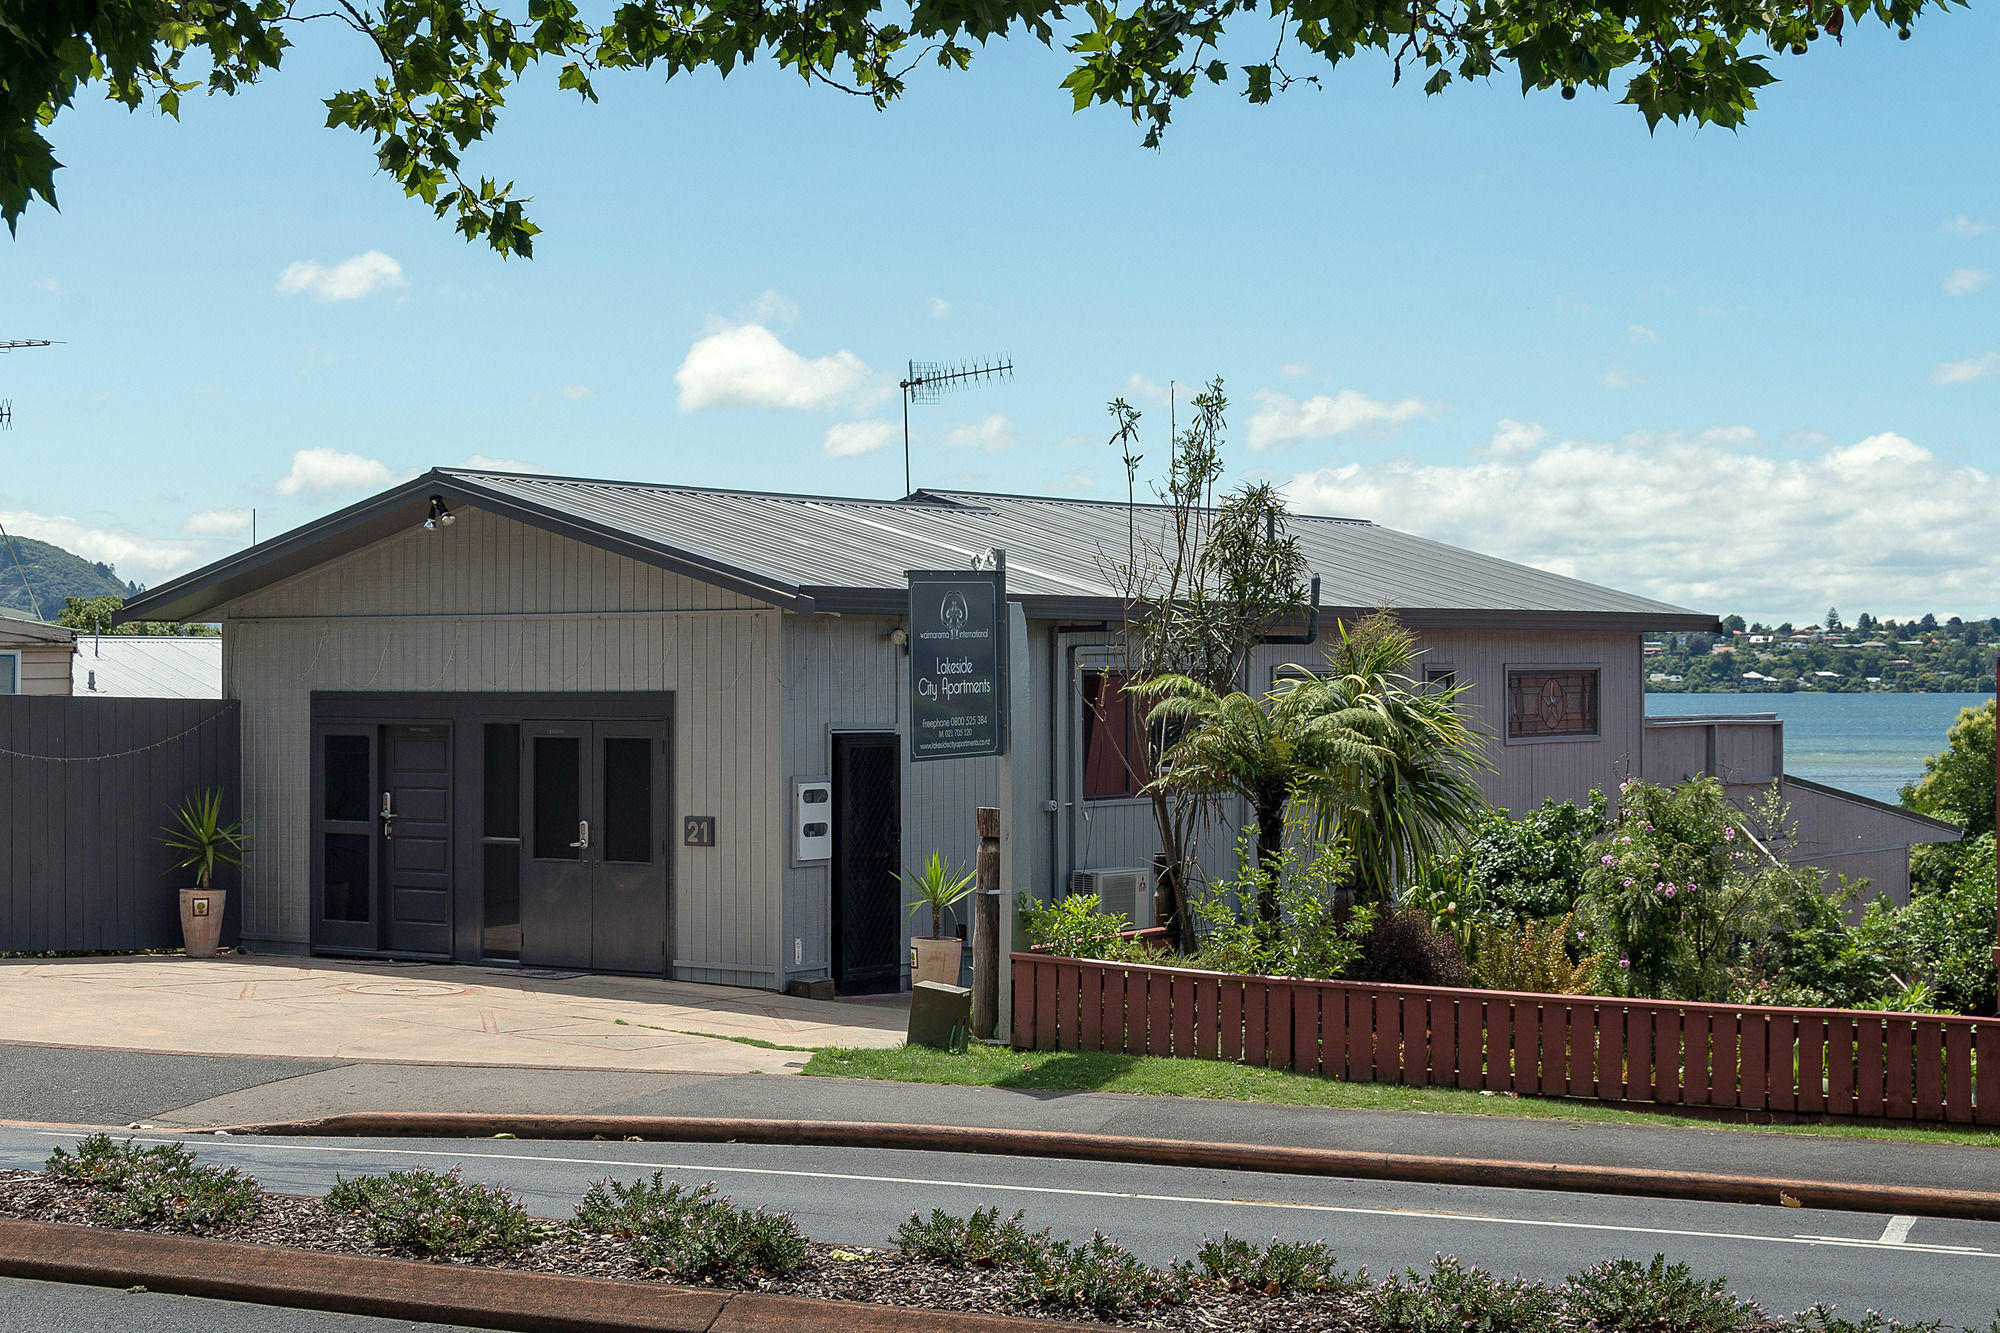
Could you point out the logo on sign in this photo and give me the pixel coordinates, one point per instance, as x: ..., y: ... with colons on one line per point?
x: 954, y: 612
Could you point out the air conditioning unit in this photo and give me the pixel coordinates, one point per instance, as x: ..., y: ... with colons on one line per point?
x: 1127, y: 889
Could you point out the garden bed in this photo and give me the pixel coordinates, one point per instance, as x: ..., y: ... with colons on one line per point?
x: 652, y: 1232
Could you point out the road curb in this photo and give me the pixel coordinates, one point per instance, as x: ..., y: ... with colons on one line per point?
x: 1906, y: 1200
x: 446, y: 1293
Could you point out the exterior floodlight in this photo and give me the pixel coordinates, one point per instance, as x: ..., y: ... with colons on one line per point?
x: 439, y: 517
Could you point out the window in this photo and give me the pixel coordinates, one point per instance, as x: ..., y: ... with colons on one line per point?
x: 1444, y: 677
x: 10, y: 673
x: 1114, y: 765
x: 1551, y: 701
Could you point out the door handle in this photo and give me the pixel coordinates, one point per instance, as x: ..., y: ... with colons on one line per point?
x: 388, y: 815
x: 582, y: 842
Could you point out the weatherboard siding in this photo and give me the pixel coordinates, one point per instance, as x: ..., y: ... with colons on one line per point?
x: 842, y: 673
x: 492, y: 605
x: 44, y: 667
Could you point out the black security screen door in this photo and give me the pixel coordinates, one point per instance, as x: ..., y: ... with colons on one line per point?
x: 867, y: 851
x: 416, y: 831
x: 348, y: 847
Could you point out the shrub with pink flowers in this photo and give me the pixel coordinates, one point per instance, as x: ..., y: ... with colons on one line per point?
x: 1680, y: 887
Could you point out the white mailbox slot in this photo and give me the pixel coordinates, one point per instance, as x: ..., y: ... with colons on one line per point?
x: 812, y: 827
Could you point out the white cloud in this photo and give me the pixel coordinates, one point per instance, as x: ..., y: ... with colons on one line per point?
x: 1966, y: 281
x: 1966, y: 228
x: 851, y: 438
x: 994, y: 432
x: 1513, y: 438
x: 771, y: 306
x: 578, y: 392
x: 1142, y: 389
x: 349, y: 280
x: 138, y: 558
x: 1295, y: 370
x: 745, y: 365
x: 481, y: 463
x: 1616, y: 377
x: 217, y: 523
x: 1639, y: 333
x: 1966, y: 371
x: 50, y: 284
x: 1280, y: 419
x: 317, y: 470
x: 939, y: 307
x: 1706, y: 519
x: 1076, y: 481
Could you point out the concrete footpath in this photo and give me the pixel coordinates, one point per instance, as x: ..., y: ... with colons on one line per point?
x: 116, y: 1088
x: 336, y: 1011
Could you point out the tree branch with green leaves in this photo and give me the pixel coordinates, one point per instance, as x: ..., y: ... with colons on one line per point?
x: 446, y: 66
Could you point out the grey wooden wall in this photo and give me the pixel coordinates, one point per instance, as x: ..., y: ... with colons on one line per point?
x: 491, y: 604
x: 85, y: 787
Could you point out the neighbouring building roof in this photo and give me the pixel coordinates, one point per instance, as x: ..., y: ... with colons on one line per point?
x: 131, y: 666
x: 822, y: 553
x: 15, y: 632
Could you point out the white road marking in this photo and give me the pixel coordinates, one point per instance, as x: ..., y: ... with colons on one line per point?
x: 1898, y: 1230
x: 1442, y: 1214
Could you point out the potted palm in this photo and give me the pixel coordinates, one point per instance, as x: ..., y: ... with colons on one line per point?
x: 937, y: 887
x: 204, y: 844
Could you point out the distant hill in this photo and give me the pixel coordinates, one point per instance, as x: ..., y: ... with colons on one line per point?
x: 55, y: 574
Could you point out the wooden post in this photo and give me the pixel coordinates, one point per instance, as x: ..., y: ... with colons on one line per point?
x: 986, y: 954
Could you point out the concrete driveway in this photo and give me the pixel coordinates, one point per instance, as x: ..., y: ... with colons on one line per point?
x: 332, y: 1010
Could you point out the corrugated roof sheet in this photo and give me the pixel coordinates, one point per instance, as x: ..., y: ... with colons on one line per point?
x: 131, y: 666
x: 1056, y: 548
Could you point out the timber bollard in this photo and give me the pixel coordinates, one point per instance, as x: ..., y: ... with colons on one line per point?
x: 986, y: 952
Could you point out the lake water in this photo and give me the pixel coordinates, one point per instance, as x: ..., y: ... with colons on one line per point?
x: 1866, y: 743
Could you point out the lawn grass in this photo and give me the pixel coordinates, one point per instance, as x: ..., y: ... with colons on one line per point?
x: 1156, y: 1076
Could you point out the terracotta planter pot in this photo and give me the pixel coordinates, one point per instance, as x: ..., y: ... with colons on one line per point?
x: 201, y: 921
x: 935, y: 959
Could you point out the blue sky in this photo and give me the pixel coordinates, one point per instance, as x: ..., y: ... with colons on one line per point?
x: 1755, y: 371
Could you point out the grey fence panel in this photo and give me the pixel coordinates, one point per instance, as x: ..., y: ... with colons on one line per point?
x: 86, y: 785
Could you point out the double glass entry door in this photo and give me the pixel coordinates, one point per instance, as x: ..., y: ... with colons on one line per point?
x: 592, y: 836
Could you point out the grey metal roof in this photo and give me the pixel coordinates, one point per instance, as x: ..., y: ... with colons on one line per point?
x: 16, y: 630
x: 823, y: 553
x: 132, y: 666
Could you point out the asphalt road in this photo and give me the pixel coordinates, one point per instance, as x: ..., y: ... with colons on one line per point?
x: 57, y: 1307
x: 1784, y: 1258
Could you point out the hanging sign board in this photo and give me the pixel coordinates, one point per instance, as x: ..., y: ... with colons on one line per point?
x: 958, y: 664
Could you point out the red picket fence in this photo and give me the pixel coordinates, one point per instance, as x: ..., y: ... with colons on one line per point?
x: 1916, y: 1067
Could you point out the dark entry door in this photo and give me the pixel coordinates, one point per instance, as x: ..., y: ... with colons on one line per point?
x: 867, y: 850
x: 595, y: 889
x: 416, y: 839
x: 348, y: 846
x: 556, y: 925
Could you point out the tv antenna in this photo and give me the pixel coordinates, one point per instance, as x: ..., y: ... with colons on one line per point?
x: 7, y: 404
x: 928, y: 382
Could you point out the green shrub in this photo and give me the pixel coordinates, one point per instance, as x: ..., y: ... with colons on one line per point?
x: 1533, y: 956
x: 1077, y: 927
x: 1625, y: 1296
x: 982, y: 1240
x: 693, y: 1234
x: 1531, y: 868
x: 1279, y: 1268
x: 435, y: 1216
x: 1822, y: 1319
x: 1314, y: 935
x: 164, y: 1184
x: 1095, y: 1276
x: 1452, y: 1298
x: 1403, y: 947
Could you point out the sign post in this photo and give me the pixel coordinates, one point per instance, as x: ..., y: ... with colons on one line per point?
x: 958, y: 664
x: 960, y: 640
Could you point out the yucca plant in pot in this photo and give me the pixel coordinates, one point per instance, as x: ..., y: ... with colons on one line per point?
x: 203, y: 843
x: 937, y: 887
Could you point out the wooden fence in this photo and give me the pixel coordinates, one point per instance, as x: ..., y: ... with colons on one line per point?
x: 85, y: 787
x: 1912, y: 1067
